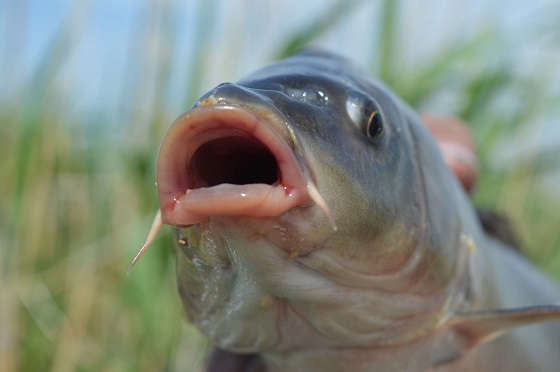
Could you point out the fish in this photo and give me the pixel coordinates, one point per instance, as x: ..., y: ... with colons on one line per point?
x: 319, y: 228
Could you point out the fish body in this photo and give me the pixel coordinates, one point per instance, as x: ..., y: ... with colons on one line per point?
x: 319, y: 227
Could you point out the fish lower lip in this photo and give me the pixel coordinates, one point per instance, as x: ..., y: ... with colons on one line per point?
x: 226, y: 161
x: 255, y: 200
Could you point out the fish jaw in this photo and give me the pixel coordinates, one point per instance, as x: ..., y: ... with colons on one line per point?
x: 198, y: 179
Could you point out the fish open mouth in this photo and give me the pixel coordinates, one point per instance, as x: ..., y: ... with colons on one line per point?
x: 236, y: 159
x: 226, y: 161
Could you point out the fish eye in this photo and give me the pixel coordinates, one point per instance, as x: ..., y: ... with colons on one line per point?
x: 365, y: 114
x: 374, y: 126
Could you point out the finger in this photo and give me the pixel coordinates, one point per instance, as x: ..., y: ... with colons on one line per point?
x: 457, y: 147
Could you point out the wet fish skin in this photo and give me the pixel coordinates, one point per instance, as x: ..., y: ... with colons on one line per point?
x: 385, y: 291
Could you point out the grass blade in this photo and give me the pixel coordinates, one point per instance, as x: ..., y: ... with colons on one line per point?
x: 317, y: 28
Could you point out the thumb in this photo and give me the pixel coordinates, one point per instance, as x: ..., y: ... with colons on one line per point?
x: 457, y: 147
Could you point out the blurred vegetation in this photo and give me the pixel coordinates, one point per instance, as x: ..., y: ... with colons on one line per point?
x: 76, y: 199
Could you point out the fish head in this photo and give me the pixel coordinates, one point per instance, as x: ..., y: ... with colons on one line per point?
x: 312, y: 208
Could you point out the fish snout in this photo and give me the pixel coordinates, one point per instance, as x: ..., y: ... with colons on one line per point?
x: 221, y: 159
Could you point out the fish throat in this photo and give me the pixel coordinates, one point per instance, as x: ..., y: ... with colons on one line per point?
x: 236, y: 159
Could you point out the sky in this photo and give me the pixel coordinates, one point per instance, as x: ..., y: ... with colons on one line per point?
x: 103, y: 37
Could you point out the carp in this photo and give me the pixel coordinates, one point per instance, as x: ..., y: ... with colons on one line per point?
x: 319, y: 229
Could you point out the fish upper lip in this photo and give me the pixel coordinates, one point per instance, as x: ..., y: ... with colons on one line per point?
x: 183, y: 202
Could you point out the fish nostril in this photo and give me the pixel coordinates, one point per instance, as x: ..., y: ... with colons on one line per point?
x: 237, y: 160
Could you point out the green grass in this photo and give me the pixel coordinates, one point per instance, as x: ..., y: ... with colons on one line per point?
x: 75, y: 203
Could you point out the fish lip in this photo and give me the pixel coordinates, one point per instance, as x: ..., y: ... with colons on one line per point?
x: 184, y: 205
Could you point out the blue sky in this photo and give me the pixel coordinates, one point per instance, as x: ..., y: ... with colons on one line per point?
x: 108, y: 57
